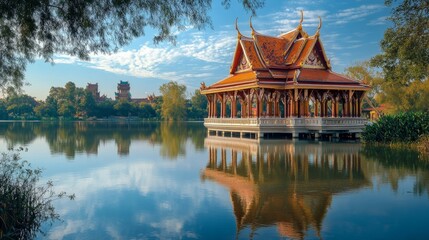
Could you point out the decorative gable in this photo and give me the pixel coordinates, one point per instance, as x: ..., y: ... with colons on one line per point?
x: 243, y: 64
x: 315, y: 58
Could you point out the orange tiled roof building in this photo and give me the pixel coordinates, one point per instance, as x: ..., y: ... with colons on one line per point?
x: 288, y: 76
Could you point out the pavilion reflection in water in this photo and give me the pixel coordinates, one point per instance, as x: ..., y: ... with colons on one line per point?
x: 284, y: 183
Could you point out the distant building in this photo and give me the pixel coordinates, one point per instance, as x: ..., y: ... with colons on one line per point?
x: 123, y: 92
x: 374, y: 113
x: 141, y: 100
x: 93, y: 89
x: 148, y: 100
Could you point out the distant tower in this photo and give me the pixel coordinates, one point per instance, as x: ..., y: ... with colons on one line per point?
x: 93, y: 89
x: 123, y: 91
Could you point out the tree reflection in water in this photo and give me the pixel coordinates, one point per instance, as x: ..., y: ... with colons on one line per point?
x: 399, y: 164
x: 70, y: 138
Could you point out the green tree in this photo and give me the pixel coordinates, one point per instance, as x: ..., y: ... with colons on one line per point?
x: 10, y: 92
x: 3, y: 111
x: 70, y: 101
x: 405, y: 46
x: 198, y: 100
x: 66, y: 109
x: 87, y: 104
x: 365, y: 73
x: 70, y: 92
x: 157, y: 106
x: 41, y: 28
x: 198, y: 106
x: 47, y: 109
x: 104, y: 108
x: 411, y: 97
x: 21, y: 105
x: 174, y: 101
x: 146, y: 111
x: 124, y: 108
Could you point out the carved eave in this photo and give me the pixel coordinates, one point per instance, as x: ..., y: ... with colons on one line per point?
x: 237, y: 56
x: 313, y: 44
x: 246, y: 48
x: 327, y: 61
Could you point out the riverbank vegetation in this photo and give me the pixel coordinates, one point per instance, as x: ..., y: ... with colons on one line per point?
x: 72, y: 102
x: 405, y: 127
x: 399, y: 76
x: 403, y: 130
x: 25, y: 203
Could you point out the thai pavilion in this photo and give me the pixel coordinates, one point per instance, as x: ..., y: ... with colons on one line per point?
x: 283, y: 86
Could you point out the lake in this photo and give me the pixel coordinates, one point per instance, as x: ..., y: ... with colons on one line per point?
x: 136, y: 180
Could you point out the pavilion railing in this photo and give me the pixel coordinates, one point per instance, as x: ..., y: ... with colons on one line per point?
x: 291, y: 122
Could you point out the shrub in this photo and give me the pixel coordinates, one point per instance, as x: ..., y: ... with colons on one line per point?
x: 423, y: 144
x: 404, y: 127
x: 24, y: 203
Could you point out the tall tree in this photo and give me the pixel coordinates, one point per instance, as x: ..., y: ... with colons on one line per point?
x: 405, y: 46
x: 198, y: 100
x: 198, y: 106
x: 87, y: 104
x: 3, y: 111
x: 405, y: 56
x: 174, y: 102
x: 146, y: 111
x: 124, y: 108
x: 48, y: 108
x: 104, y: 108
x: 21, y: 105
x: 364, y: 72
x: 70, y: 101
x: 41, y: 28
x: 413, y: 96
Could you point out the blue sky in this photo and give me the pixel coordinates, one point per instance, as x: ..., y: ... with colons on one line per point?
x: 351, y: 32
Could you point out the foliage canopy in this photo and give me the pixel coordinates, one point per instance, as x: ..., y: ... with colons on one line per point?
x: 405, y: 46
x: 174, y: 101
x: 41, y: 28
x: 403, y: 127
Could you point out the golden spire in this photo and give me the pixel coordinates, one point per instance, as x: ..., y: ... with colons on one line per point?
x: 251, y: 26
x: 300, y: 21
x: 318, y: 28
x: 239, y: 35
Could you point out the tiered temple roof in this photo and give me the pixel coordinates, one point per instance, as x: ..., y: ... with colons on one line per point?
x: 288, y: 61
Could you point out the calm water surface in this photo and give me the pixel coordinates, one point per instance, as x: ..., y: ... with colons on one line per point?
x: 168, y: 181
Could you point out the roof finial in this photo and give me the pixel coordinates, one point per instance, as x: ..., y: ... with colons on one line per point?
x: 236, y: 27
x: 251, y: 26
x: 300, y: 21
x: 318, y: 28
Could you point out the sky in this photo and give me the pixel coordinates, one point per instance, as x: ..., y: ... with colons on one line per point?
x: 351, y: 32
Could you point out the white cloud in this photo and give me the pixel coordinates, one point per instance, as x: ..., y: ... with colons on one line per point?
x: 142, y: 176
x: 161, y: 61
x: 357, y: 13
x: 379, y: 21
x: 70, y: 227
x: 288, y: 19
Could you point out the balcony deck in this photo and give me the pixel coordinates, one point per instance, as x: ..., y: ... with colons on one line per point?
x: 293, y: 127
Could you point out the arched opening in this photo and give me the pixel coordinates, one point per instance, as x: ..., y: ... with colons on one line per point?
x: 228, y: 110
